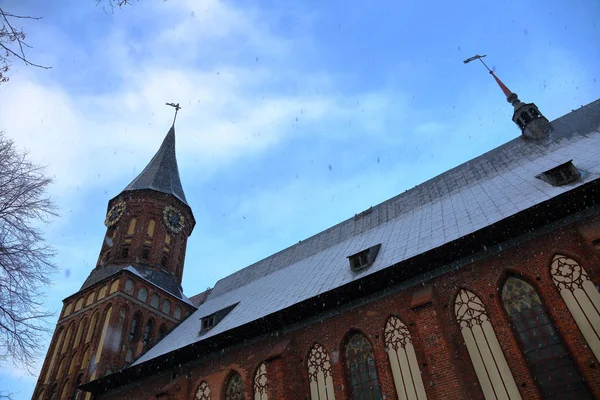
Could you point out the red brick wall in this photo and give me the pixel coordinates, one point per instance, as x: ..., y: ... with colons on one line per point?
x: 443, y: 358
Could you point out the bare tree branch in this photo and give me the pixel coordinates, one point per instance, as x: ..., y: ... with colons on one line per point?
x: 25, y: 258
x: 12, y: 43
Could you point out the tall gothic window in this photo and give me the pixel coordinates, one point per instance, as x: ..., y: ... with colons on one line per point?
x: 147, y: 334
x: 203, y: 392
x: 547, y: 357
x: 403, y: 360
x: 360, y: 365
x: 581, y: 297
x: 319, y: 374
x: 162, y: 331
x: 234, y: 390
x: 261, y: 383
x: 135, y: 324
x: 493, y: 373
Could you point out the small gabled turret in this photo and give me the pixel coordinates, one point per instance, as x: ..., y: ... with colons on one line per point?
x: 527, y: 116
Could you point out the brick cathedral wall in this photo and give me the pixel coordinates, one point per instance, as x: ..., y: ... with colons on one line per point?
x: 445, y: 364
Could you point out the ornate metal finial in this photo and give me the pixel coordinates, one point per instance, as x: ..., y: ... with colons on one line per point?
x: 510, y: 96
x: 177, y: 108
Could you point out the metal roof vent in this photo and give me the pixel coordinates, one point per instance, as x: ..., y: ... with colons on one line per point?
x: 210, y: 321
x: 561, y: 175
x: 364, y: 259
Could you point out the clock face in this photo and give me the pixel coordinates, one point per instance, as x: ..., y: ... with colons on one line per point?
x: 173, y: 218
x: 114, y: 214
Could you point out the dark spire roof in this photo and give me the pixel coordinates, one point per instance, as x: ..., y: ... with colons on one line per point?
x: 161, y: 173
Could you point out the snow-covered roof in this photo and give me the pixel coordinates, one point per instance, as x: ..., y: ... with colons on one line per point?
x: 463, y: 200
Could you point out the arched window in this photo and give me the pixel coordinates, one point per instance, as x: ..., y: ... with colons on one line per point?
x: 129, y: 355
x: 525, y: 117
x: 90, y: 299
x: 102, y: 292
x: 61, y: 335
x: 92, y: 328
x: 114, y: 286
x: 147, y: 334
x: 493, y: 373
x: 86, y: 358
x: 53, y: 392
x: 77, y: 393
x: 73, y: 366
x: 319, y: 374
x: 547, y: 357
x: 581, y: 297
x: 162, y: 331
x: 79, y: 304
x: 150, y: 231
x: 166, y: 307
x: 129, y: 286
x: 103, y: 333
x: 142, y: 294
x: 135, y: 325
x: 261, y: 383
x: 405, y: 367
x: 79, y: 334
x: 203, y: 392
x: 234, y: 389
x: 61, y: 368
x: 155, y: 300
x: 360, y: 367
x: 68, y: 338
x: 131, y: 228
x: 177, y: 312
x: 63, y: 395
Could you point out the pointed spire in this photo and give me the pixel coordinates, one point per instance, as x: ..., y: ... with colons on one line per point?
x: 506, y: 90
x: 162, y: 173
x: 511, y: 97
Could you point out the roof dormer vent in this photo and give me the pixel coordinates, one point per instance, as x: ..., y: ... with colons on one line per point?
x: 561, y: 174
x: 364, y: 258
x: 210, y: 321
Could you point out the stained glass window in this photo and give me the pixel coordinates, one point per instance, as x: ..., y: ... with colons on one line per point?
x: 549, y: 361
x: 362, y: 375
x: 235, y: 387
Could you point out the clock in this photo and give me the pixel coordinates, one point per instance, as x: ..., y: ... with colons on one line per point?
x: 114, y: 214
x: 173, y: 218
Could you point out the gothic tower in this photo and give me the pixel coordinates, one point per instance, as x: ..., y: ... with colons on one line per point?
x: 133, y: 296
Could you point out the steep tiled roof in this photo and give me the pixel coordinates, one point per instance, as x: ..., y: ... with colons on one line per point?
x: 470, y: 197
x: 162, y: 173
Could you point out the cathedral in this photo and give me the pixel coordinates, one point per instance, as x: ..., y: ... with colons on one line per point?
x: 480, y: 283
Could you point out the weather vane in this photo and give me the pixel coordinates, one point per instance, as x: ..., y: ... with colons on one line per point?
x: 480, y: 58
x: 177, y: 108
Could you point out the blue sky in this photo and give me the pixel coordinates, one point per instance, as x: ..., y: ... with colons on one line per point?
x: 296, y: 115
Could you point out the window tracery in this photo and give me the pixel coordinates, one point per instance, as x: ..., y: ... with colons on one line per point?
x: 235, y: 387
x: 403, y: 361
x: 581, y: 297
x: 260, y: 382
x: 491, y: 368
x: 203, y: 392
x: 360, y: 365
x: 319, y: 374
